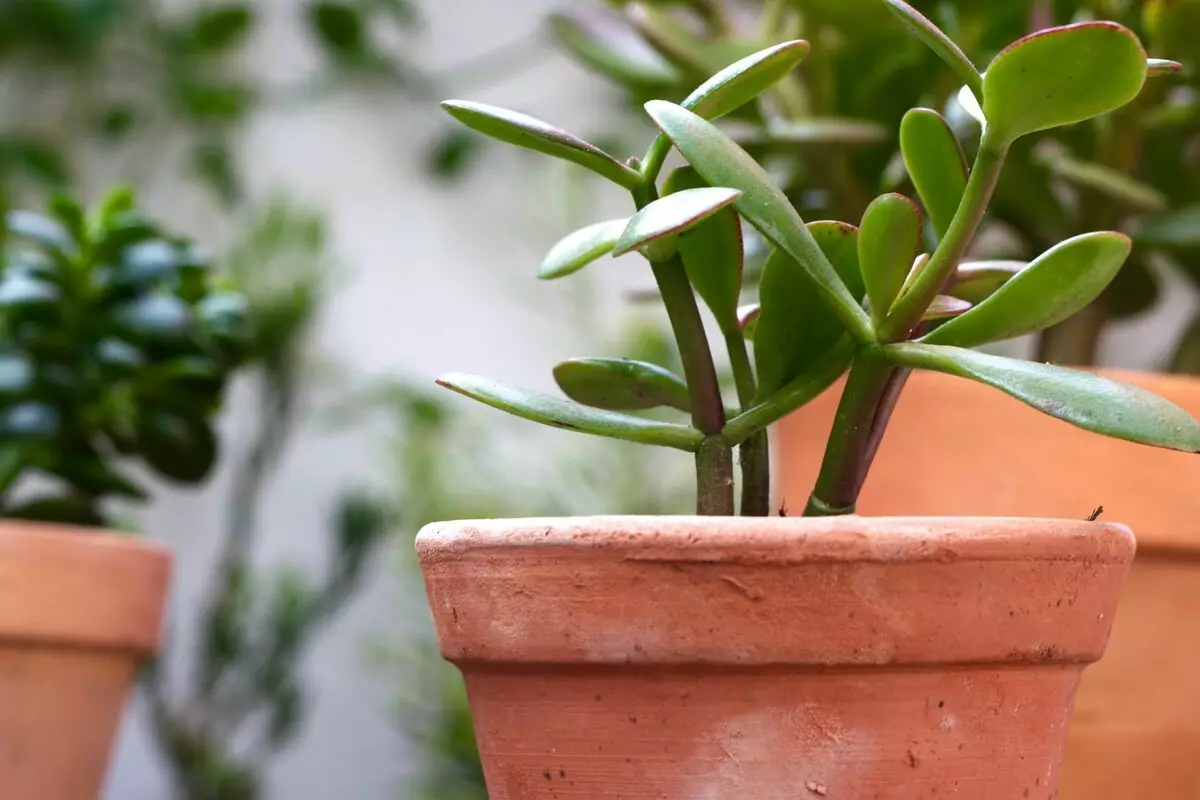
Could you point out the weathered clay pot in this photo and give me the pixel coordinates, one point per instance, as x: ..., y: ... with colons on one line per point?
x: 955, y: 447
x: 79, y: 610
x: 759, y: 659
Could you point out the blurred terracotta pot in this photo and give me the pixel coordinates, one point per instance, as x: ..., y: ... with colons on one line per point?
x: 79, y: 610
x: 760, y: 659
x: 955, y: 447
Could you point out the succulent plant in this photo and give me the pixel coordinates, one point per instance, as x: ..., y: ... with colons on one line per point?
x: 834, y: 296
x: 116, y: 345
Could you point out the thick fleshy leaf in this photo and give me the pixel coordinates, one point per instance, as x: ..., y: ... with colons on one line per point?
x: 576, y: 250
x: 16, y: 373
x: 1054, y: 286
x: 12, y: 464
x: 722, y: 163
x: 19, y: 289
x: 181, y: 448
x: 1157, y: 67
x: 1177, y: 228
x: 794, y: 327
x: 937, y: 41
x: 1060, y: 76
x: 525, y: 131
x: 944, y: 307
x: 935, y: 163
x: 1108, y: 182
x: 744, y: 80
x: 29, y: 420
x: 621, y: 384
x: 887, y: 243
x: 35, y: 228
x: 678, y: 43
x: 66, y: 510
x: 975, y: 281
x: 816, y: 131
x: 711, y: 253
x: 1083, y: 399
x: 664, y: 219
x: 572, y: 416
x: 155, y: 316
x: 610, y: 46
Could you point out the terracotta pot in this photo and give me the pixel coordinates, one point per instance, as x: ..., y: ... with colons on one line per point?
x: 79, y: 610
x: 760, y: 659
x: 955, y: 447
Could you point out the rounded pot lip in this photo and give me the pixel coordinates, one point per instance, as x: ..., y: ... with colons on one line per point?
x: 877, y: 592
x: 788, y: 539
x: 76, y: 586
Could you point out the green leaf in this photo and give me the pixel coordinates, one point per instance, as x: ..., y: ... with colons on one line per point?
x: 154, y: 316
x: 1177, y: 228
x: 944, y: 307
x: 219, y: 28
x: 712, y: 254
x: 658, y: 223
x: 794, y: 328
x: 1083, y: 399
x: 888, y: 239
x: 1109, y: 182
x: 975, y: 281
x: 1060, y: 76
x: 815, y: 131
x: 12, y: 464
x: 16, y: 373
x: 621, y: 384
x: 744, y: 80
x: 935, y: 163
x: 1134, y: 291
x: 29, y: 420
x: 39, y: 230
x: 936, y: 40
x: 576, y: 250
x: 339, y: 27
x: 674, y: 40
x: 65, y: 510
x: 20, y: 290
x: 183, y: 449
x: 722, y: 163
x: 612, y: 48
x: 525, y: 131
x: 1054, y: 286
x: 568, y: 415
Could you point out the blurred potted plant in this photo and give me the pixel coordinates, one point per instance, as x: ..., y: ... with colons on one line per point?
x: 117, y: 348
x: 1135, y: 170
x: 671, y: 654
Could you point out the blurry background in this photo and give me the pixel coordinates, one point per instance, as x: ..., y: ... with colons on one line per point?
x: 301, y: 142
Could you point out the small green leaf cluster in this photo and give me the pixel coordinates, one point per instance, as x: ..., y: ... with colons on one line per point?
x: 872, y: 297
x: 117, y: 343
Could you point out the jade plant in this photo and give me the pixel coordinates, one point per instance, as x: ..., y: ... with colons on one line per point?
x: 116, y: 345
x: 834, y: 296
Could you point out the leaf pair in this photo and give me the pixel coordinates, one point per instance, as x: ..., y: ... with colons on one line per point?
x: 1054, y: 77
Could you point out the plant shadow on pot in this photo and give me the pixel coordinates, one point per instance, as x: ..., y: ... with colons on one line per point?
x: 1134, y: 732
x: 648, y: 657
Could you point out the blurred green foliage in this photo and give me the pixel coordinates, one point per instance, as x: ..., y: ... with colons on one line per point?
x: 147, y: 81
x: 116, y: 345
x: 831, y: 124
x: 240, y: 698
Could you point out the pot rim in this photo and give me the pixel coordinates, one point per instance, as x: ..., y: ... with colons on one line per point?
x: 789, y: 539
x: 81, y: 587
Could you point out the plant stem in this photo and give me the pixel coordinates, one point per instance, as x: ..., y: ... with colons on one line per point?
x: 793, y: 395
x: 843, y: 468
x: 714, y: 478
x: 941, y: 265
x: 754, y: 454
x: 714, y: 471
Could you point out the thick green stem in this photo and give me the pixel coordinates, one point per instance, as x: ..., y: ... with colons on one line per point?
x: 941, y: 265
x: 754, y: 454
x: 714, y: 478
x: 850, y: 441
x: 708, y: 409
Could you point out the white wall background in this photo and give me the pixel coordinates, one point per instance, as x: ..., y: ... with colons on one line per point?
x: 436, y: 284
